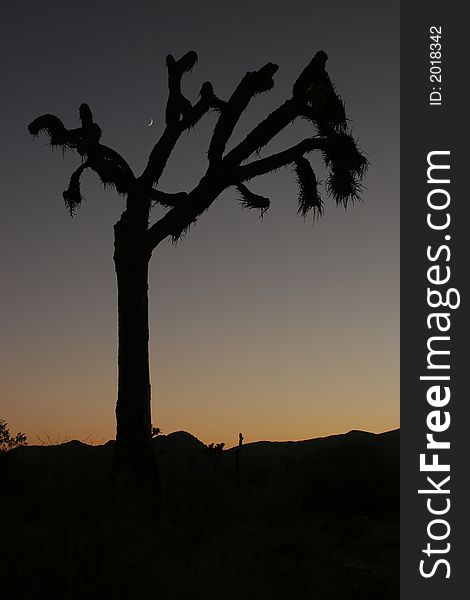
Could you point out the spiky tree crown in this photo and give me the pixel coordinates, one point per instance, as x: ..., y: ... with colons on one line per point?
x: 314, y: 99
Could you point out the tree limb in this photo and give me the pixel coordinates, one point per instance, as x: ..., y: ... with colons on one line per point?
x: 166, y: 199
x: 251, y: 200
x: 72, y: 195
x: 264, y: 132
x: 309, y: 196
x: 314, y: 98
x: 177, y: 104
x: 108, y: 154
x: 315, y: 71
x: 206, y: 101
x: 180, y: 115
x: 180, y: 218
x: 109, y: 172
x: 252, y: 83
x: 106, y: 162
x: 54, y: 129
x: 278, y: 160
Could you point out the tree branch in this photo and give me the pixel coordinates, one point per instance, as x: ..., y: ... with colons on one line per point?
x: 177, y: 104
x: 309, y: 196
x: 313, y: 72
x: 54, y: 129
x: 106, y: 162
x: 109, y: 172
x: 160, y: 154
x: 251, y: 200
x: 313, y: 97
x: 206, y: 101
x: 184, y: 213
x: 72, y: 195
x: 180, y: 115
x: 108, y: 154
x: 264, y: 132
x: 173, y: 224
x: 166, y: 199
x: 278, y: 160
x: 252, y: 83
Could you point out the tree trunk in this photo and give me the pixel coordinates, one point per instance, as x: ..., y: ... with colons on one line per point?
x: 134, y: 456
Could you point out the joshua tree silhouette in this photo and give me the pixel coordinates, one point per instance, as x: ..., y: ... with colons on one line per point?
x: 313, y: 98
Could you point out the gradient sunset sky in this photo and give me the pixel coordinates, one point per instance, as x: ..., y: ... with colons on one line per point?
x: 273, y: 328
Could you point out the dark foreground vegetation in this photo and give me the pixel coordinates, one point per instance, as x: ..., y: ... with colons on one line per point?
x: 297, y: 520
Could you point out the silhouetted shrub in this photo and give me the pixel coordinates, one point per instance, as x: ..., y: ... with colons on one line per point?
x: 7, y: 442
x: 214, y: 452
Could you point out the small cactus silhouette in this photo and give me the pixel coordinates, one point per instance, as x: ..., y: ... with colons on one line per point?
x: 237, y: 458
x: 155, y: 431
x: 214, y: 452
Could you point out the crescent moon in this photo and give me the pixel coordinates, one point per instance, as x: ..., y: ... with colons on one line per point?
x: 151, y: 123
